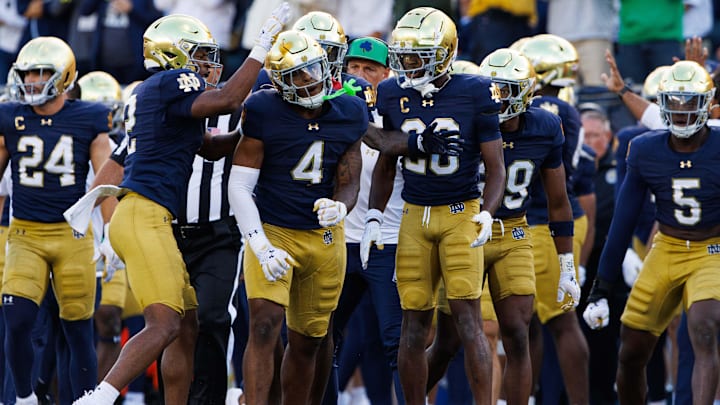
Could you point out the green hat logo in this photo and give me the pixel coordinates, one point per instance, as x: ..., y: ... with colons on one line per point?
x: 368, y: 48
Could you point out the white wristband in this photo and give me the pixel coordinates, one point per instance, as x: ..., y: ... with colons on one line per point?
x: 258, y: 53
x: 374, y: 215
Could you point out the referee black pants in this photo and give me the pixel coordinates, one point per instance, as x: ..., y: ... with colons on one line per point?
x: 211, y: 253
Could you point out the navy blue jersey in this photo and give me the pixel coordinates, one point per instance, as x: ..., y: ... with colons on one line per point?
x: 582, y: 181
x: 537, y: 211
x: 467, y: 104
x: 647, y: 214
x: 50, y: 155
x: 685, y: 186
x: 536, y: 146
x: 163, y: 136
x: 300, y: 155
x: 263, y: 81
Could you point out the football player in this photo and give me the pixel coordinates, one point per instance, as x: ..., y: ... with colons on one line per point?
x: 50, y: 142
x: 675, y: 165
x: 555, y: 62
x: 532, y: 147
x: 442, y: 213
x: 164, y: 121
x: 305, y: 174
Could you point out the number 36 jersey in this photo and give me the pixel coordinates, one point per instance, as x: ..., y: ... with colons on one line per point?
x: 466, y: 103
x: 50, y: 155
x: 300, y: 155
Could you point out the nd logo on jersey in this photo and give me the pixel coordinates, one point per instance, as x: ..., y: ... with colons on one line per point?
x: 188, y: 83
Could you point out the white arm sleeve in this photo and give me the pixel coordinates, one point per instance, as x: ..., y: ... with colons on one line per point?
x: 652, y: 117
x: 240, y: 189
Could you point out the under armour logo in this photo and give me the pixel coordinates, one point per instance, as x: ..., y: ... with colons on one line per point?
x: 44, y: 121
x: 314, y: 126
x: 7, y: 299
x: 328, y: 237
x: 188, y: 83
x: 508, y: 145
x: 456, y: 208
x: 252, y: 233
x: 518, y: 233
x: 685, y: 164
x: 428, y: 103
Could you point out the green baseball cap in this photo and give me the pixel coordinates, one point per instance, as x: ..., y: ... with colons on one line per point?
x: 368, y: 48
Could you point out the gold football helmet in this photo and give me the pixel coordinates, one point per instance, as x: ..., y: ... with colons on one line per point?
x: 328, y: 32
x: 299, y: 69
x: 554, y: 58
x: 514, y: 76
x: 422, y: 47
x: 100, y: 87
x: 463, y: 66
x: 652, y: 81
x: 180, y: 41
x: 42, y: 54
x: 684, y: 94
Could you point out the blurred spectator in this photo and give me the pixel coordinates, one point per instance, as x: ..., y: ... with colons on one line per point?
x: 367, y: 18
x: 497, y: 24
x: 45, y: 18
x: 698, y: 18
x: 11, y: 29
x: 589, y: 25
x: 117, y: 45
x: 81, y: 38
x: 400, y: 7
x: 650, y: 34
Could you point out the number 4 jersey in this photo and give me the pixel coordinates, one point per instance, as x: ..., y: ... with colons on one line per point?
x: 466, y: 103
x: 300, y: 155
x: 50, y: 155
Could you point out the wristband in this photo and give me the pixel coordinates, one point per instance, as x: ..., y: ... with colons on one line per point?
x: 624, y: 90
x: 374, y: 215
x: 561, y: 228
x: 258, y: 53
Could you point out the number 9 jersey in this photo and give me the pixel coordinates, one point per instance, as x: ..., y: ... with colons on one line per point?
x: 466, y: 103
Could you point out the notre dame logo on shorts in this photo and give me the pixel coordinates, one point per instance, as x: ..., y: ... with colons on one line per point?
x: 518, y: 233
x: 456, y: 208
x: 328, y: 237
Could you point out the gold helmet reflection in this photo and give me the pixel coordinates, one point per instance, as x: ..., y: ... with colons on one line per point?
x: 171, y: 42
x: 429, y: 34
x: 463, y: 66
x: 685, y: 89
x: 329, y: 33
x: 652, y: 82
x: 44, y: 54
x: 514, y: 76
x: 295, y: 56
x: 554, y: 58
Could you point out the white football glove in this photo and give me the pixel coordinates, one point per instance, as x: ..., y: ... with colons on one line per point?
x: 597, y: 314
x: 372, y: 234
x: 273, y: 25
x: 329, y: 212
x: 112, y: 261
x: 275, y: 262
x: 568, y: 285
x: 485, y: 220
x: 632, y: 264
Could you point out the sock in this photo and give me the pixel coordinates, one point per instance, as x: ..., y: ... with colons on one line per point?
x: 501, y: 402
x: 20, y: 314
x: 105, y: 393
x: 135, y: 397
x: 83, y: 361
